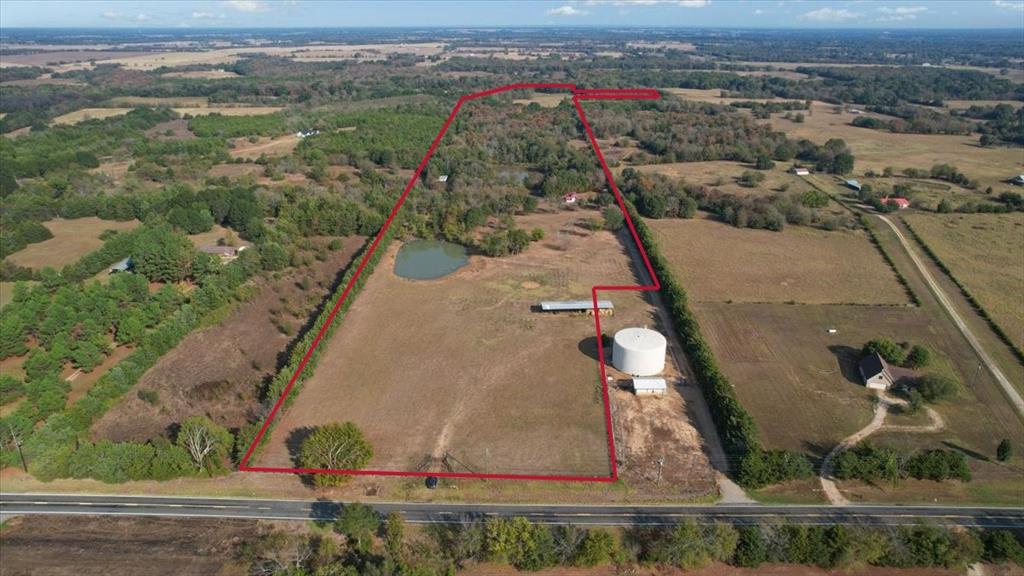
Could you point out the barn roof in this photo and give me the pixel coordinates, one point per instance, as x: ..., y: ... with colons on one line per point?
x: 566, y: 305
x: 872, y: 365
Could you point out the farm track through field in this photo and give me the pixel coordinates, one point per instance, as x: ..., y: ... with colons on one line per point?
x: 1008, y: 389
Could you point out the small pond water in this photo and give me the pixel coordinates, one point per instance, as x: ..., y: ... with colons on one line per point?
x: 429, y: 259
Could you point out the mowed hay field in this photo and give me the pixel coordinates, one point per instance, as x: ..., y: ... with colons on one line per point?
x: 877, y: 149
x: 224, y: 110
x: 464, y: 365
x: 721, y: 263
x: 985, y: 252
x: 71, y: 240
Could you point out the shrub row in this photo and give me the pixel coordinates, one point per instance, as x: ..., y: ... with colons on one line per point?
x: 757, y: 467
x: 1017, y: 352
x: 888, y: 260
x: 280, y: 381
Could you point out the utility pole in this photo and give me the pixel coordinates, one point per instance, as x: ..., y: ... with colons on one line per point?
x: 17, y: 444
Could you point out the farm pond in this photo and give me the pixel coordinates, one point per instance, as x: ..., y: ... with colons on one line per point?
x: 429, y: 259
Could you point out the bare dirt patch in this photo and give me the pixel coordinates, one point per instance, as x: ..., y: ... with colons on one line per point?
x: 71, y: 240
x: 235, y: 170
x: 544, y: 99
x: 218, y: 371
x: 89, y: 114
x: 718, y: 263
x: 282, y: 145
x: 217, y: 74
x: 171, y: 130
x: 80, y: 545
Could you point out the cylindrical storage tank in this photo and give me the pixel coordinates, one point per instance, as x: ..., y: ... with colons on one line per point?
x: 639, y: 352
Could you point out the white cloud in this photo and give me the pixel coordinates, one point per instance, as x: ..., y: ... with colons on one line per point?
x: 567, y: 11
x: 207, y: 16
x: 122, y: 17
x: 1005, y: 5
x: 681, y: 3
x: 900, y: 13
x: 758, y: 11
x: 829, y: 15
x: 247, y: 5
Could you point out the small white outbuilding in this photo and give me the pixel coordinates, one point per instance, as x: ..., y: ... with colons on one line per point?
x: 639, y: 352
x: 649, y: 386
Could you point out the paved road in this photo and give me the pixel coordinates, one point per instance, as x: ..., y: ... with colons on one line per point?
x: 13, y: 504
x: 1008, y: 389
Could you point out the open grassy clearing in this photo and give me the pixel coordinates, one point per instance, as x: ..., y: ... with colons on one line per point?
x: 185, y: 101
x: 71, y: 240
x: 725, y: 175
x: 986, y: 253
x: 212, y: 236
x: 547, y: 100
x: 965, y: 104
x: 243, y: 148
x: 216, y: 74
x: 719, y: 263
x: 877, y: 149
x: 224, y: 110
x: 713, y: 95
x: 219, y: 371
x: 926, y: 193
x: 482, y: 376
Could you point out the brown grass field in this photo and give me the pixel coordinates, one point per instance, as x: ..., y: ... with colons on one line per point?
x: 482, y: 376
x: 218, y: 371
x: 71, y: 240
x: 224, y: 110
x: 877, y: 149
x: 216, y: 74
x: 189, y: 101
x: 986, y: 253
x: 719, y: 263
x: 543, y: 98
x: 724, y: 175
x: 264, y: 145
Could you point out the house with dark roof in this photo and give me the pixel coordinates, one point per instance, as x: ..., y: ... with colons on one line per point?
x: 122, y: 266
x: 875, y: 372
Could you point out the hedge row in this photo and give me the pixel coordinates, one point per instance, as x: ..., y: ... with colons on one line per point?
x: 757, y: 467
x: 967, y: 294
x: 280, y: 381
x: 888, y: 260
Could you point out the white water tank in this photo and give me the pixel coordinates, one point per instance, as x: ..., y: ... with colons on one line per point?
x: 639, y: 352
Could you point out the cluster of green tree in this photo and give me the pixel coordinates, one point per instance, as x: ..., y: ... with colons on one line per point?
x: 153, y: 157
x: 387, y: 138
x: 508, y: 240
x: 870, y: 463
x: 335, y: 447
x: 912, y: 119
x: 678, y: 131
x: 890, y: 85
x: 657, y: 197
x: 55, y: 448
x: 833, y: 157
x: 1003, y: 124
x: 377, y: 546
x: 902, y: 354
x: 757, y: 467
x: 54, y: 149
x: 12, y: 73
x: 330, y: 216
x: 15, y: 235
x: 218, y: 125
x: 975, y: 303
x: 763, y: 110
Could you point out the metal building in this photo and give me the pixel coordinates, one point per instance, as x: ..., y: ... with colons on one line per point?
x: 639, y: 352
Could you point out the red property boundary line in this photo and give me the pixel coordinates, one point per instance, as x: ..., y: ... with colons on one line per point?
x: 578, y: 96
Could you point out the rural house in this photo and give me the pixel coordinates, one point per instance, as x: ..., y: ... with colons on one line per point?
x: 900, y: 203
x: 226, y: 253
x: 570, y: 198
x: 122, y: 266
x: 875, y: 372
x: 799, y: 171
x: 1017, y: 180
x: 853, y: 185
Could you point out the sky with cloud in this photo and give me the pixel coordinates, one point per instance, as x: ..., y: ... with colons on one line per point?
x: 677, y: 13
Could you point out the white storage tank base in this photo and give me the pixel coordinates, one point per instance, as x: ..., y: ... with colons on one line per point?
x: 639, y: 352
